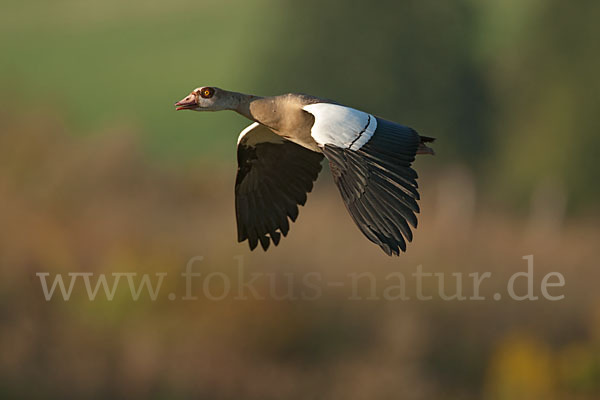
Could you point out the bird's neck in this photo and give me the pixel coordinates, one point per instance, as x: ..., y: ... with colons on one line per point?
x: 243, y: 105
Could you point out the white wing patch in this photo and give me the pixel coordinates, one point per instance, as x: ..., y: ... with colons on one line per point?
x: 257, y: 133
x: 341, y: 126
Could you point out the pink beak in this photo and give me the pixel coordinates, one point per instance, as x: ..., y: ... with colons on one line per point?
x: 189, y: 103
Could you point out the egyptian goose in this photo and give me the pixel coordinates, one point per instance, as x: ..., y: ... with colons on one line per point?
x: 279, y: 157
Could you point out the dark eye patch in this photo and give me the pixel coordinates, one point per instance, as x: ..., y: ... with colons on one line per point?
x: 207, y: 92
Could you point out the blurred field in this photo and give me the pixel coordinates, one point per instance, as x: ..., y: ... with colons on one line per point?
x: 99, y: 174
x: 96, y: 204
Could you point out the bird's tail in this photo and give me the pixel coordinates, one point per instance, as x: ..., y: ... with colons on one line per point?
x: 423, y: 148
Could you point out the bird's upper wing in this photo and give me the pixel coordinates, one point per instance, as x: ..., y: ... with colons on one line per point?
x: 274, y: 175
x: 370, y: 162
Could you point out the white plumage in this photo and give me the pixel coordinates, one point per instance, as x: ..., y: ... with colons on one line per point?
x: 341, y: 126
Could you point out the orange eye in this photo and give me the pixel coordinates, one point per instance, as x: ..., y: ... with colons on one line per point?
x: 207, y: 92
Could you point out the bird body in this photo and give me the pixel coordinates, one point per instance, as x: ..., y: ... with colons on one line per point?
x: 280, y: 154
x: 284, y: 116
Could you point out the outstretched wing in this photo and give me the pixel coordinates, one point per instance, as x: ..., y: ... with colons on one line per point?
x: 274, y: 175
x: 370, y: 162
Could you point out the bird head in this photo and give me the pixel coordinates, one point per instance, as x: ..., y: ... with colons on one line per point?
x: 205, y: 98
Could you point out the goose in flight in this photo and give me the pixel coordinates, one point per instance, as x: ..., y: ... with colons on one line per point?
x: 279, y: 157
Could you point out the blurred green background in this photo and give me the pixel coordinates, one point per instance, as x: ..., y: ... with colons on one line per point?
x: 98, y: 173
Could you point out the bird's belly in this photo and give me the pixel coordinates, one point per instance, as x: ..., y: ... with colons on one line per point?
x: 304, y: 140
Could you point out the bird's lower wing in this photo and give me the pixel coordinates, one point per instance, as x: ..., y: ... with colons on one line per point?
x: 274, y: 176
